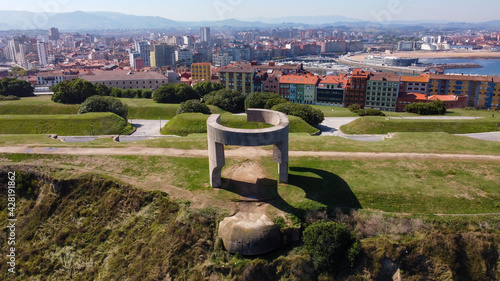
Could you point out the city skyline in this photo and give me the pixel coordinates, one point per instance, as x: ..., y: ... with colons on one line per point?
x: 197, y: 10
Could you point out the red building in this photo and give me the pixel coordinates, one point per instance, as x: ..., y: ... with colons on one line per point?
x: 356, y: 88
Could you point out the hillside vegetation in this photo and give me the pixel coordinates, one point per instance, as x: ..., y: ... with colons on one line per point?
x: 65, y: 125
x: 88, y: 227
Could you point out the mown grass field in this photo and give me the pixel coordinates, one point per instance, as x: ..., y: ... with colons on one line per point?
x: 400, y: 143
x: 383, y: 125
x: 399, y: 186
x: 196, y: 123
x: 66, y: 125
x: 138, y: 108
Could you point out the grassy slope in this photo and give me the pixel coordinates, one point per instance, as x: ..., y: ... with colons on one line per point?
x: 186, y: 124
x: 402, y: 186
x: 66, y: 125
x: 400, y: 143
x: 138, y: 108
x: 90, y: 227
x: 381, y: 125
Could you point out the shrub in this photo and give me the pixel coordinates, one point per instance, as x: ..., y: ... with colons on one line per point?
x: 128, y: 93
x: 354, y: 107
x: 193, y: 106
x: 331, y: 245
x: 206, y: 87
x: 369, y: 112
x: 73, y: 91
x: 103, y: 90
x: 228, y: 100
x: 147, y: 94
x: 264, y: 100
x: 104, y: 104
x: 306, y: 112
x: 10, y: 97
x: 16, y: 87
x: 116, y: 92
x: 174, y: 94
x: 434, y: 108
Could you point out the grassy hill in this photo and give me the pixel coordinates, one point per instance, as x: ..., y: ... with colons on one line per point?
x: 383, y: 125
x: 66, y: 125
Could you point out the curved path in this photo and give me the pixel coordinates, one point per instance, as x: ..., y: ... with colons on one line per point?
x: 331, y: 127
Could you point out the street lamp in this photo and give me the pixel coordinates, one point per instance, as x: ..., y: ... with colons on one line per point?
x: 92, y: 128
x: 36, y: 128
x: 383, y: 127
x: 160, y: 124
x: 439, y: 128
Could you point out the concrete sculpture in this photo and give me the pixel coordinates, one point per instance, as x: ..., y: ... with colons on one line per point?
x: 219, y: 135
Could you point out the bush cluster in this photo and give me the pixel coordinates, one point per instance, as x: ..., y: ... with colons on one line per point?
x: 434, y: 108
x: 10, y: 97
x: 306, y: 112
x: 174, y: 94
x: 193, y: 106
x: 264, y: 100
x: 225, y: 99
x: 206, y: 87
x: 16, y: 87
x: 73, y: 91
x: 369, y: 112
x: 331, y: 245
x: 104, y: 104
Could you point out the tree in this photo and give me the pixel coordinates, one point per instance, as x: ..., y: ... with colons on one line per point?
x: 18, y: 71
x: 331, y: 245
x: 73, y: 91
x: 116, y: 92
x: 228, y: 100
x: 437, y: 107
x: 103, y: 90
x: 15, y: 87
x: 306, y: 112
x: 264, y: 100
x: 193, y: 106
x: 104, y: 104
x: 206, y: 87
x: 174, y: 93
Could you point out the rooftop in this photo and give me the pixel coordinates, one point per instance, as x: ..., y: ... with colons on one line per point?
x: 120, y: 75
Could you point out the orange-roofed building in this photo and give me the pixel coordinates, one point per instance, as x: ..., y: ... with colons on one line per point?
x: 451, y: 101
x: 414, y: 84
x: 331, y: 90
x: 299, y: 88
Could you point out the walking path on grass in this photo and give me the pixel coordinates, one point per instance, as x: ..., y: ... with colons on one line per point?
x: 241, y: 152
x: 331, y: 127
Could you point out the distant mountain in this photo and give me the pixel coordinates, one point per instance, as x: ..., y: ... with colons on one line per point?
x: 309, y: 20
x: 82, y: 21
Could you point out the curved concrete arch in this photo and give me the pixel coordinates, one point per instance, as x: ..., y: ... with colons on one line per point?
x: 219, y: 135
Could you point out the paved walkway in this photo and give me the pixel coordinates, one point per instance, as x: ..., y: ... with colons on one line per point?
x: 331, y: 127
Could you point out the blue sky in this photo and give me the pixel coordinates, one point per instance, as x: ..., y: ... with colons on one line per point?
x: 193, y: 10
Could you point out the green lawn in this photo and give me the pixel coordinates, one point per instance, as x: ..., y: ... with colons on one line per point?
x: 190, y: 123
x: 383, y: 125
x: 39, y: 105
x: 399, y: 186
x: 66, y: 125
x: 400, y: 143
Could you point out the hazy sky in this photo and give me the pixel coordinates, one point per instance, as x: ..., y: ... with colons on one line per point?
x: 194, y: 10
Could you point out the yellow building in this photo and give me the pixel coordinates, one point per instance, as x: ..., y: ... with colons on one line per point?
x: 201, y: 71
